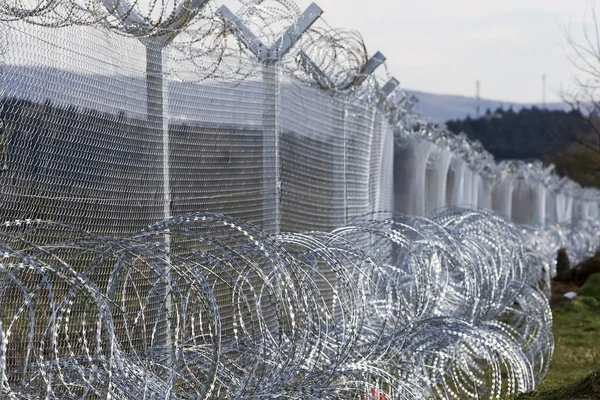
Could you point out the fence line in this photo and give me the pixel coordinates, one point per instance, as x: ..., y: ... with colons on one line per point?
x: 112, y: 123
x: 108, y: 130
x: 298, y: 116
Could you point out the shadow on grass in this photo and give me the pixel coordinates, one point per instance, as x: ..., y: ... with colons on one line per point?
x: 574, y: 372
x: 587, y: 388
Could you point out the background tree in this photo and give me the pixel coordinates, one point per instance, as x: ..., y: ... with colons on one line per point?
x: 582, y: 157
x: 530, y: 133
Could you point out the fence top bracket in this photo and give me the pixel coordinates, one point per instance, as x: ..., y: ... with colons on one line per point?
x: 387, y: 90
x: 131, y: 19
x: 374, y: 62
x: 282, y: 45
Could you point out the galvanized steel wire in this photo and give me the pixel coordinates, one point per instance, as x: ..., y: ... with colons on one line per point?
x: 407, y: 306
x: 335, y: 301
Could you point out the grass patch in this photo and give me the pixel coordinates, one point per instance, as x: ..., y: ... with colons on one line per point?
x: 591, y: 288
x: 576, y: 343
x: 587, y: 388
x: 574, y: 372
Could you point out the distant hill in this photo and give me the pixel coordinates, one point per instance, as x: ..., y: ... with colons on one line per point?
x: 444, y: 107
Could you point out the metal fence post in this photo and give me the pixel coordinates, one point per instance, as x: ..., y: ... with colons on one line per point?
x: 158, y: 122
x: 270, y: 160
x: 344, y: 180
x: 384, y: 94
x: 270, y: 57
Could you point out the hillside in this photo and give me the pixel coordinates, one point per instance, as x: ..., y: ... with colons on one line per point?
x: 444, y: 107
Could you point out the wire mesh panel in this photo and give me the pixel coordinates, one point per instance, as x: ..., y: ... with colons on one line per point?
x: 376, y: 162
x: 311, y: 158
x: 217, y: 169
x: 595, y: 210
x: 502, y: 197
x: 467, y: 186
x: 523, y: 202
x: 565, y: 207
x: 436, y: 180
x: 485, y: 193
x: 80, y: 150
x: 457, y: 182
x: 222, y: 160
x: 386, y: 192
x: 77, y: 146
x: 216, y: 148
x: 410, y: 161
x: 358, y: 126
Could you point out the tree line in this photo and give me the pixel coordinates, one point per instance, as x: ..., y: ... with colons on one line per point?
x: 566, y: 139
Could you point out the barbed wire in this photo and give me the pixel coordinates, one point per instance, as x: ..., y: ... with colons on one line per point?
x: 201, y: 38
x: 207, y: 306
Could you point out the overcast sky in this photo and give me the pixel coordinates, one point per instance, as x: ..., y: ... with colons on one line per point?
x: 444, y: 46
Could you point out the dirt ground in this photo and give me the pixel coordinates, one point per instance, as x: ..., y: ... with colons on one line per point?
x: 558, y: 291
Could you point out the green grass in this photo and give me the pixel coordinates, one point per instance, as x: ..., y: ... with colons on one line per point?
x: 587, y: 388
x: 575, y: 368
x: 577, y: 343
x: 591, y: 288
